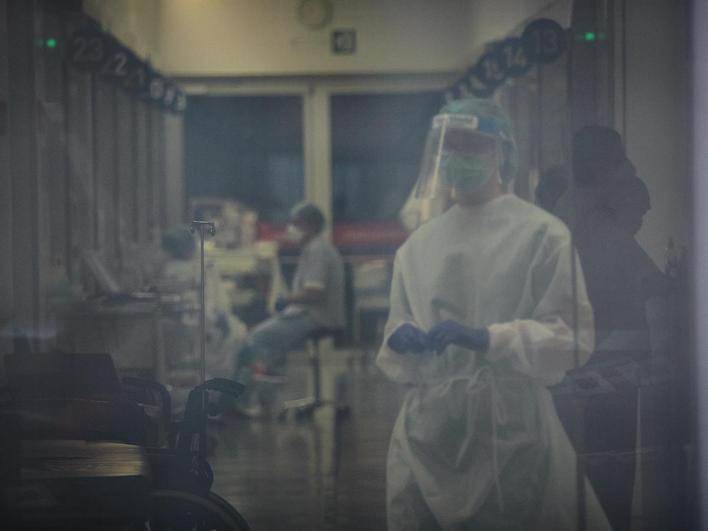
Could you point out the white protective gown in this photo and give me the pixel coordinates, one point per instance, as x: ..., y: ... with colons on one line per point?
x: 477, y: 443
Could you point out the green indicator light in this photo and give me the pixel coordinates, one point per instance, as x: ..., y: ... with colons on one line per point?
x: 51, y: 43
x: 590, y: 36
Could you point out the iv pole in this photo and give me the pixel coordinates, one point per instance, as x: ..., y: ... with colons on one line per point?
x: 203, y: 228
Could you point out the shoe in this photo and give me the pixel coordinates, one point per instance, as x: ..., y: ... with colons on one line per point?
x: 249, y: 412
x: 217, y: 419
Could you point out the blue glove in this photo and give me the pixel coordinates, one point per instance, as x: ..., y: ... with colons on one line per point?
x: 454, y: 333
x: 280, y: 304
x: 408, y: 338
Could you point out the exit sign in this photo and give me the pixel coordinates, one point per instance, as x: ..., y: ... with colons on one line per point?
x: 344, y: 41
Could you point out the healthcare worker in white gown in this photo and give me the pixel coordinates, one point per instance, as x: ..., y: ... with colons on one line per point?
x: 484, y: 304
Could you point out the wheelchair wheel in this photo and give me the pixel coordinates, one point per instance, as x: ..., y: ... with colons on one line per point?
x: 173, y: 510
x: 230, y: 509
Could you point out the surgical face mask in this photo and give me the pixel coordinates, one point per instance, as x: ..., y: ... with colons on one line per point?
x: 461, y: 151
x: 467, y: 172
x: 294, y: 234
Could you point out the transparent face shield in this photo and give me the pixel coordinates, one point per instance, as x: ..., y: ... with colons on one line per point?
x: 466, y: 136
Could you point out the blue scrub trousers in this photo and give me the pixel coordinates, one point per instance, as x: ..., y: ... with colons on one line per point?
x: 269, y: 342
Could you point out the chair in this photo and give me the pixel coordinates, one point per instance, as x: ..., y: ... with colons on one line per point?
x: 306, y: 406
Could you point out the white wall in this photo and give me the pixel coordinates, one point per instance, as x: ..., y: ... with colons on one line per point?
x: 232, y: 38
x: 136, y: 23
x: 657, y: 133
x: 264, y: 37
x: 491, y: 20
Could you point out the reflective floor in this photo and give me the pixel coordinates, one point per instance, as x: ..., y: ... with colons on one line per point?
x: 321, y: 473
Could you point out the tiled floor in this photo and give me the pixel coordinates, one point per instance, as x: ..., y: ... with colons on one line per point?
x: 321, y: 473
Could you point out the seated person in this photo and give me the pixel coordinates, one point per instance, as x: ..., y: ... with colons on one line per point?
x: 316, y: 301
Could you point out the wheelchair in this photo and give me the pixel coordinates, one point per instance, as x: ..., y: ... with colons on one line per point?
x: 81, y: 449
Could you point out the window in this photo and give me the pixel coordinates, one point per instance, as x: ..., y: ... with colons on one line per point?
x: 247, y: 148
x: 377, y: 142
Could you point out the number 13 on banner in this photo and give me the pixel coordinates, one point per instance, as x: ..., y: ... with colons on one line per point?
x: 544, y: 41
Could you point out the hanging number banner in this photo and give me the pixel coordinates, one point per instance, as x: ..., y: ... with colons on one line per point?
x: 87, y: 49
x: 489, y: 70
x: 156, y: 87
x: 92, y: 50
x: 512, y: 58
x: 475, y: 85
x: 136, y: 79
x: 544, y: 41
x: 115, y: 65
x: 180, y: 103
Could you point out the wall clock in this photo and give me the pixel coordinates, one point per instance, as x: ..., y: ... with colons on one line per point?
x: 315, y: 14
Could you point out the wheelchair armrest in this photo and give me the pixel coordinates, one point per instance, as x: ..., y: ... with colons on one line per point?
x: 151, y: 391
x: 195, y: 411
x: 222, y: 385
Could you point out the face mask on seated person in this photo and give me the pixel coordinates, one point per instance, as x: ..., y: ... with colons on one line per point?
x: 294, y: 234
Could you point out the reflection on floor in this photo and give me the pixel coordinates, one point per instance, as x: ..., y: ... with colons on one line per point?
x: 321, y: 473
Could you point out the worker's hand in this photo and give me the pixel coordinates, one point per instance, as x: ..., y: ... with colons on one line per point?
x: 408, y: 338
x: 454, y: 333
x: 280, y: 304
